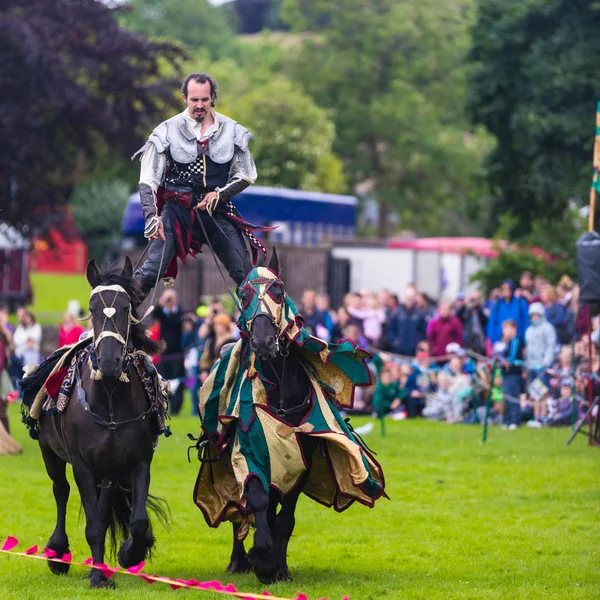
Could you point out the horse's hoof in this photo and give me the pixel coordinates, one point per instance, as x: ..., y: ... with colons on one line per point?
x: 61, y: 548
x: 59, y: 568
x: 131, y: 554
x: 239, y: 566
x: 284, y: 575
x: 264, y: 565
x: 101, y: 583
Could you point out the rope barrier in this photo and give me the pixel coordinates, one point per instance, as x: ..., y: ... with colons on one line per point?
x: 207, y: 586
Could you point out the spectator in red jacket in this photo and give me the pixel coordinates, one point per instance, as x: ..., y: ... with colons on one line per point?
x: 70, y: 330
x: 444, y: 329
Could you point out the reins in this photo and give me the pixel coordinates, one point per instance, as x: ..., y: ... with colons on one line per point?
x: 112, y: 424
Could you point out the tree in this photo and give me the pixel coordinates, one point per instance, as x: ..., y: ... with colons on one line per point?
x: 72, y: 81
x: 255, y: 15
x: 293, y: 137
x: 393, y: 75
x: 535, y: 87
x: 97, y: 213
x: 194, y: 23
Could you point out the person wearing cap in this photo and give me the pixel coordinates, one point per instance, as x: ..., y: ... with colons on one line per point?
x: 507, y: 308
x: 540, y: 339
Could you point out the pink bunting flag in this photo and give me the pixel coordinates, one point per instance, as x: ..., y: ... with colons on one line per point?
x: 49, y: 553
x: 32, y: 550
x: 136, y: 568
x: 67, y: 558
x: 10, y: 543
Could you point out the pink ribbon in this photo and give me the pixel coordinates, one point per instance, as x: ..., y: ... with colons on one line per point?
x: 214, y: 586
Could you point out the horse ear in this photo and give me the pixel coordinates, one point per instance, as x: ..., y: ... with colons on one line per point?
x: 127, y: 271
x: 247, y: 263
x: 92, y: 274
x: 274, y: 262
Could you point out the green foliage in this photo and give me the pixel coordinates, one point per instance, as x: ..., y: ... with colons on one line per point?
x: 293, y: 139
x: 71, y: 80
x: 534, y: 86
x: 193, y: 23
x: 511, y: 519
x: 393, y: 75
x: 98, y: 211
x: 509, y: 264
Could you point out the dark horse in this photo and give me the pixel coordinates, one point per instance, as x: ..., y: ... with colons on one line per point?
x: 106, y: 431
x: 290, y: 400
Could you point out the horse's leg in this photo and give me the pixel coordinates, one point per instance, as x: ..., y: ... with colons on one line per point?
x: 258, y: 501
x: 238, y: 563
x: 135, y: 549
x: 59, y: 542
x: 261, y: 555
x: 284, y: 527
x: 286, y: 519
x: 95, y: 530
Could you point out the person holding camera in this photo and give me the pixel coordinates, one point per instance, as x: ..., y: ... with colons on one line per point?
x: 472, y: 316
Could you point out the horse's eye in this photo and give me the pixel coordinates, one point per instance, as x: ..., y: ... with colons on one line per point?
x: 246, y: 296
x: 276, y: 292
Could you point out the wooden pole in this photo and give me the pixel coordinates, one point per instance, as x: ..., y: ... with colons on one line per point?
x: 596, y: 161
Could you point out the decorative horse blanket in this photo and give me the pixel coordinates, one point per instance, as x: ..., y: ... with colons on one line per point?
x: 50, y: 387
x: 244, y: 437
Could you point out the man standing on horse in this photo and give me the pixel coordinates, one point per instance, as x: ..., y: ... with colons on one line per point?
x: 191, y: 167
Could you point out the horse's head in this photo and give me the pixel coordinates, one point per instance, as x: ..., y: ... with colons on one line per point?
x: 263, y: 303
x: 111, y: 312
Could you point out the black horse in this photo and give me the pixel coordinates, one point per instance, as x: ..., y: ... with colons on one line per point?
x: 107, y: 431
x: 290, y: 399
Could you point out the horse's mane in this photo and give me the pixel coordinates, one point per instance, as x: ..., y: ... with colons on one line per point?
x: 113, y: 275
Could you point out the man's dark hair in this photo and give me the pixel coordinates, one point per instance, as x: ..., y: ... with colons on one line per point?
x: 201, y: 78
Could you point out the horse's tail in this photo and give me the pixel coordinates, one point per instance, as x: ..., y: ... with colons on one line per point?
x: 121, y: 515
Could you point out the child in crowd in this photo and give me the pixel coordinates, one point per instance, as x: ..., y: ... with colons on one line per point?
x: 386, y: 398
x: 512, y: 373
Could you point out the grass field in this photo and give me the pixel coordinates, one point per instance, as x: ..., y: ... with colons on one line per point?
x: 52, y: 291
x: 517, y: 518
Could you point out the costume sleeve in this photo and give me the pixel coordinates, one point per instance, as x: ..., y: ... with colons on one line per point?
x: 153, y: 166
x: 241, y: 174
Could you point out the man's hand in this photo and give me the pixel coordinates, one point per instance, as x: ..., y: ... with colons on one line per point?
x: 209, y: 202
x: 160, y: 232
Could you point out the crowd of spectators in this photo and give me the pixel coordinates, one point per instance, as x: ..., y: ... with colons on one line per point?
x: 526, y: 347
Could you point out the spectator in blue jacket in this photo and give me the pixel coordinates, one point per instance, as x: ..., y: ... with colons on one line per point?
x: 406, y: 327
x: 507, y: 308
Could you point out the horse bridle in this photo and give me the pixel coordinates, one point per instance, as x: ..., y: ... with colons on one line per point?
x: 276, y: 319
x: 109, y: 312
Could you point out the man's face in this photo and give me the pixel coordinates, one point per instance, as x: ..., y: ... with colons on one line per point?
x: 506, y: 291
x: 526, y: 281
x: 308, y: 299
x: 474, y: 300
x: 444, y: 310
x: 198, y: 100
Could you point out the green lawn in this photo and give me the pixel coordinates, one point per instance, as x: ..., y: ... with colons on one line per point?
x: 52, y: 291
x: 516, y: 518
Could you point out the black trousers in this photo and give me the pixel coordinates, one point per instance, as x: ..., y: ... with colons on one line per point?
x: 226, y: 240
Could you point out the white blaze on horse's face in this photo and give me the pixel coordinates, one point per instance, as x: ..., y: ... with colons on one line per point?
x: 110, y: 307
